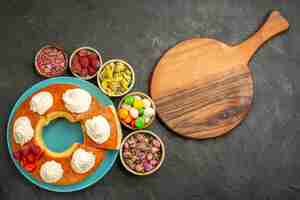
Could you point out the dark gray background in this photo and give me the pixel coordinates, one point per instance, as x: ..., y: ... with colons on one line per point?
x: 258, y: 160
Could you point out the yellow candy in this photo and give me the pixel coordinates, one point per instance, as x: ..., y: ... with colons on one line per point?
x: 138, y: 104
x: 123, y: 113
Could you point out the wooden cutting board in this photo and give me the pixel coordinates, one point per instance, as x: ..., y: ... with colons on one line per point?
x: 203, y: 88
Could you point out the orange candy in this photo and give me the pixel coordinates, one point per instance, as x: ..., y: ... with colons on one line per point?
x: 128, y: 119
x: 123, y: 113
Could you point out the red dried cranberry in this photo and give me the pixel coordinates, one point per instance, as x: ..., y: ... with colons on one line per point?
x: 36, y: 150
x: 23, y: 162
x: 26, y: 150
x: 39, y: 155
x: 18, y: 155
x: 30, y: 167
x: 31, y: 158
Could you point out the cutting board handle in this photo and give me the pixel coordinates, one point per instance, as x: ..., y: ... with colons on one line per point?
x: 274, y: 25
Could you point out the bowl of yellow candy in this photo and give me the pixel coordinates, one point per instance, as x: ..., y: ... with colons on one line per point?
x: 115, y: 78
x: 136, y: 110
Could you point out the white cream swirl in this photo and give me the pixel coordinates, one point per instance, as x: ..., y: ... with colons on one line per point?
x: 98, y: 129
x: 82, y: 161
x: 23, y: 131
x: 41, y: 102
x: 77, y: 100
x: 51, y: 171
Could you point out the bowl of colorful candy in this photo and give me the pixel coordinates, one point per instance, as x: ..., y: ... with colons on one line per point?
x: 136, y: 110
x: 142, y: 152
x: 85, y: 62
x: 115, y: 78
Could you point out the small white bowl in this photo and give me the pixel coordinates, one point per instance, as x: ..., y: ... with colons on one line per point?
x: 75, y: 52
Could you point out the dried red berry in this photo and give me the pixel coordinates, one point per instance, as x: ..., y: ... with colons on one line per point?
x: 31, y: 158
x: 36, y: 150
x: 39, y: 155
x: 30, y: 167
x: 18, y: 155
x: 23, y: 162
x: 26, y: 150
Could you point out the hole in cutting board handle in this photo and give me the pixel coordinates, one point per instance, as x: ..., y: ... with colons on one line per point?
x: 274, y: 25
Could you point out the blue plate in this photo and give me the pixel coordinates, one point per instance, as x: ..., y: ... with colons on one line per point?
x: 65, y: 139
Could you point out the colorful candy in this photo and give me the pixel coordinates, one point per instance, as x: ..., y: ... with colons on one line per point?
x: 139, y: 123
x: 139, y: 109
x: 134, y: 113
x: 148, y: 112
x: 147, y: 103
x: 128, y: 119
x: 137, y: 103
x: 129, y: 100
x: 123, y: 113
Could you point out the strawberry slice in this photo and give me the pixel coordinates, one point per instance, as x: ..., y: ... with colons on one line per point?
x: 75, y: 60
x: 95, y: 63
x: 84, y: 61
x: 83, y: 53
x: 30, y: 167
x: 93, y: 56
x: 76, y: 68
x: 91, y: 70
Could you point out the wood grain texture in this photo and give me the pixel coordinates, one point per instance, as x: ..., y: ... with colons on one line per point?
x: 203, y: 88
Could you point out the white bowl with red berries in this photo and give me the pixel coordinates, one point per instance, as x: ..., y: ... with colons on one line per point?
x: 85, y: 62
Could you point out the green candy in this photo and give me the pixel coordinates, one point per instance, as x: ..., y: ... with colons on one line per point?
x: 141, y: 111
x: 129, y: 100
x: 139, y: 122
